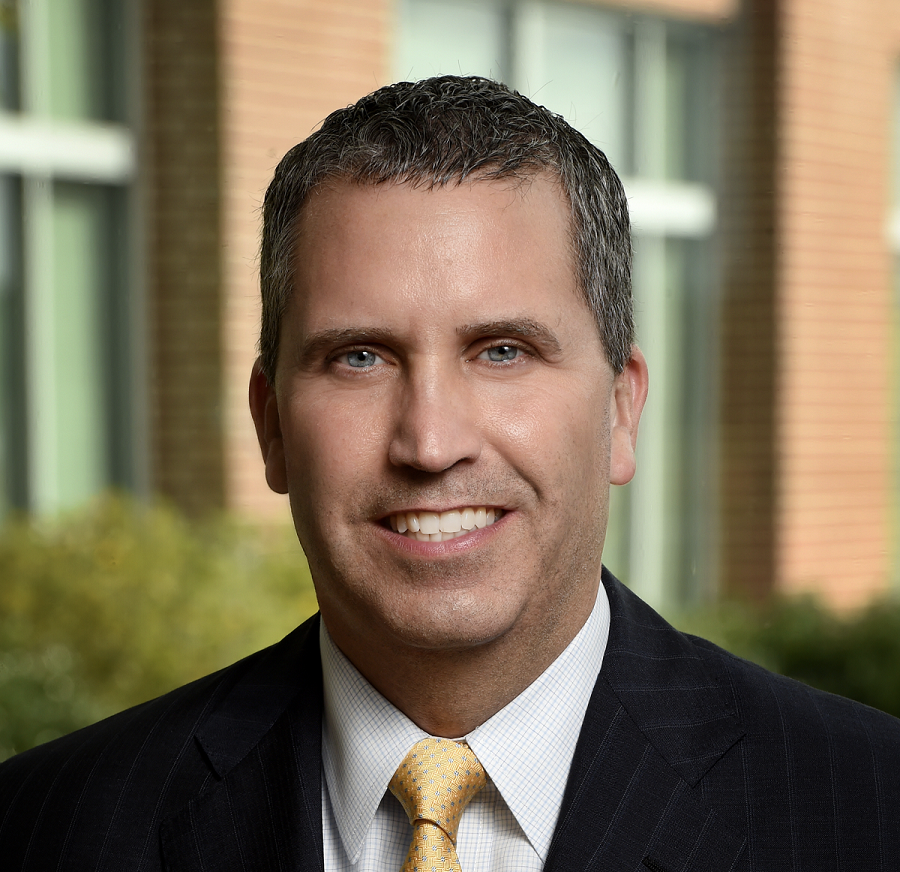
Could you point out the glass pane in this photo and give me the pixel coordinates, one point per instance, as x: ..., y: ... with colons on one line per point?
x: 9, y: 55
x: 582, y: 74
x: 85, y: 43
x: 617, y: 545
x: 466, y: 37
x: 694, y: 271
x: 676, y: 120
x: 671, y: 502
x: 82, y: 220
x: 13, y: 457
x: 691, y: 104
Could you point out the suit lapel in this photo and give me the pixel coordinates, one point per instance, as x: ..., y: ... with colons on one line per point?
x: 264, y: 810
x: 657, y: 722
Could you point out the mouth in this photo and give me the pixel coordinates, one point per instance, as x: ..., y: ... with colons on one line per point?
x: 442, y: 526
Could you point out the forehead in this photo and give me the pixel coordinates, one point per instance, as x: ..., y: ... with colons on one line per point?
x: 421, y: 269
x: 540, y: 191
x: 485, y: 224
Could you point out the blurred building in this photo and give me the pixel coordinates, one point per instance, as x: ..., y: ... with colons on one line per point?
x: 756, y: 140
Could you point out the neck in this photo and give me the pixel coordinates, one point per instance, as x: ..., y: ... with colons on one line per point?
x: 480, y: 680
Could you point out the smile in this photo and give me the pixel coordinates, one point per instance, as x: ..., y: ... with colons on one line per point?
x: 442, y: 526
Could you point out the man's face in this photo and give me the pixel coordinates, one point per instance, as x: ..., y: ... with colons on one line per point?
x: 438, y: 369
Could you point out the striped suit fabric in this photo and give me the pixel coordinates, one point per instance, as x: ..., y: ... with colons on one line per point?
x: 689, y: 759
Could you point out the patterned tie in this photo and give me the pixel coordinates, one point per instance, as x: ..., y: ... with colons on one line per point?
x: 434, y: 783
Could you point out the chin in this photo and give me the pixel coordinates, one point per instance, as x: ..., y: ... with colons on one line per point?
x: 453, y: 622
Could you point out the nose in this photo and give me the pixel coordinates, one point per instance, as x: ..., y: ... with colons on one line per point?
x: 436, y: 425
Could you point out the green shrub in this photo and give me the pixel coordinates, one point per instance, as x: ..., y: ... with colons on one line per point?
x: 120, y: 602
x: 857, y: 655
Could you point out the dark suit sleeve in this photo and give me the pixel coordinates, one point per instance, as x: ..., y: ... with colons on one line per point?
x: 223, y: 773
x: 820, y: 774
x: 94, y: 799
x: 693, y: 759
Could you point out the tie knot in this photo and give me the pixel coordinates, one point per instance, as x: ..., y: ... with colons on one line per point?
x: 436, y: 780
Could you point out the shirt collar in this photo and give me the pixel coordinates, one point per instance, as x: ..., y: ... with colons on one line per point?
x: 364, y: 740
x: 526, y: 748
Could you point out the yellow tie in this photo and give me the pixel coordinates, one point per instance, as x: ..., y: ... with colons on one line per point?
x: 434, y: 783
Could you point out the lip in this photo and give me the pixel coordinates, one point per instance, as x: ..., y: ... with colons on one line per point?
x: 438, y: 508
x: 473, y: 539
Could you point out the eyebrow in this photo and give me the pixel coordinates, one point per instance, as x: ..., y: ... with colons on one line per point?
x: 524, y: 327
x: 322, y: 340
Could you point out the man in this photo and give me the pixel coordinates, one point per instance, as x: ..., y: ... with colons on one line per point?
x: 446, y: 388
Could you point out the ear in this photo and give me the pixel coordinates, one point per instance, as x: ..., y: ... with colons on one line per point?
x: 264, y: 409
x: 627, y: 402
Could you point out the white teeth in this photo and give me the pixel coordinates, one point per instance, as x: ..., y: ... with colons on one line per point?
x: 429, y: 522
x: 451, y: 522
x: 440, y: 527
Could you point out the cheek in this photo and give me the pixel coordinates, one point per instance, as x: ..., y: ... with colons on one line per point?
x: 330, y: 442
x: 561, y: 436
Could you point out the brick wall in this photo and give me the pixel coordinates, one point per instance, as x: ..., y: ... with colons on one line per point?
x: 806, y: 401
x: 749, y: 242
x: 181, y: 160
x: 834, y: 317
x: 285, y: 66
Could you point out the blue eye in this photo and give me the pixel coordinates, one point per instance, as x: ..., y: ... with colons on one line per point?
x: 501, y: 353
x: 362, y: 359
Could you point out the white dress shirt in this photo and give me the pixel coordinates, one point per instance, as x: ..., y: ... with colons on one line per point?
x: 526, y: 750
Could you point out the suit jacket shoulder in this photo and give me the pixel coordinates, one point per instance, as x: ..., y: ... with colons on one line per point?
x: 98, y: 798
x: 691, y: 758
x: 822, y: 773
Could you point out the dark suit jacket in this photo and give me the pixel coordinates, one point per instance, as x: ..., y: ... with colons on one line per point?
x: 689, y: 760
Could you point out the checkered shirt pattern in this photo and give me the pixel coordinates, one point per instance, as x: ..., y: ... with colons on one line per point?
x: 526, y: 750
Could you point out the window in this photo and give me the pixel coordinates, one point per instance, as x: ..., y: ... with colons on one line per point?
x: 642, y: 89
x: 68, y: 350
